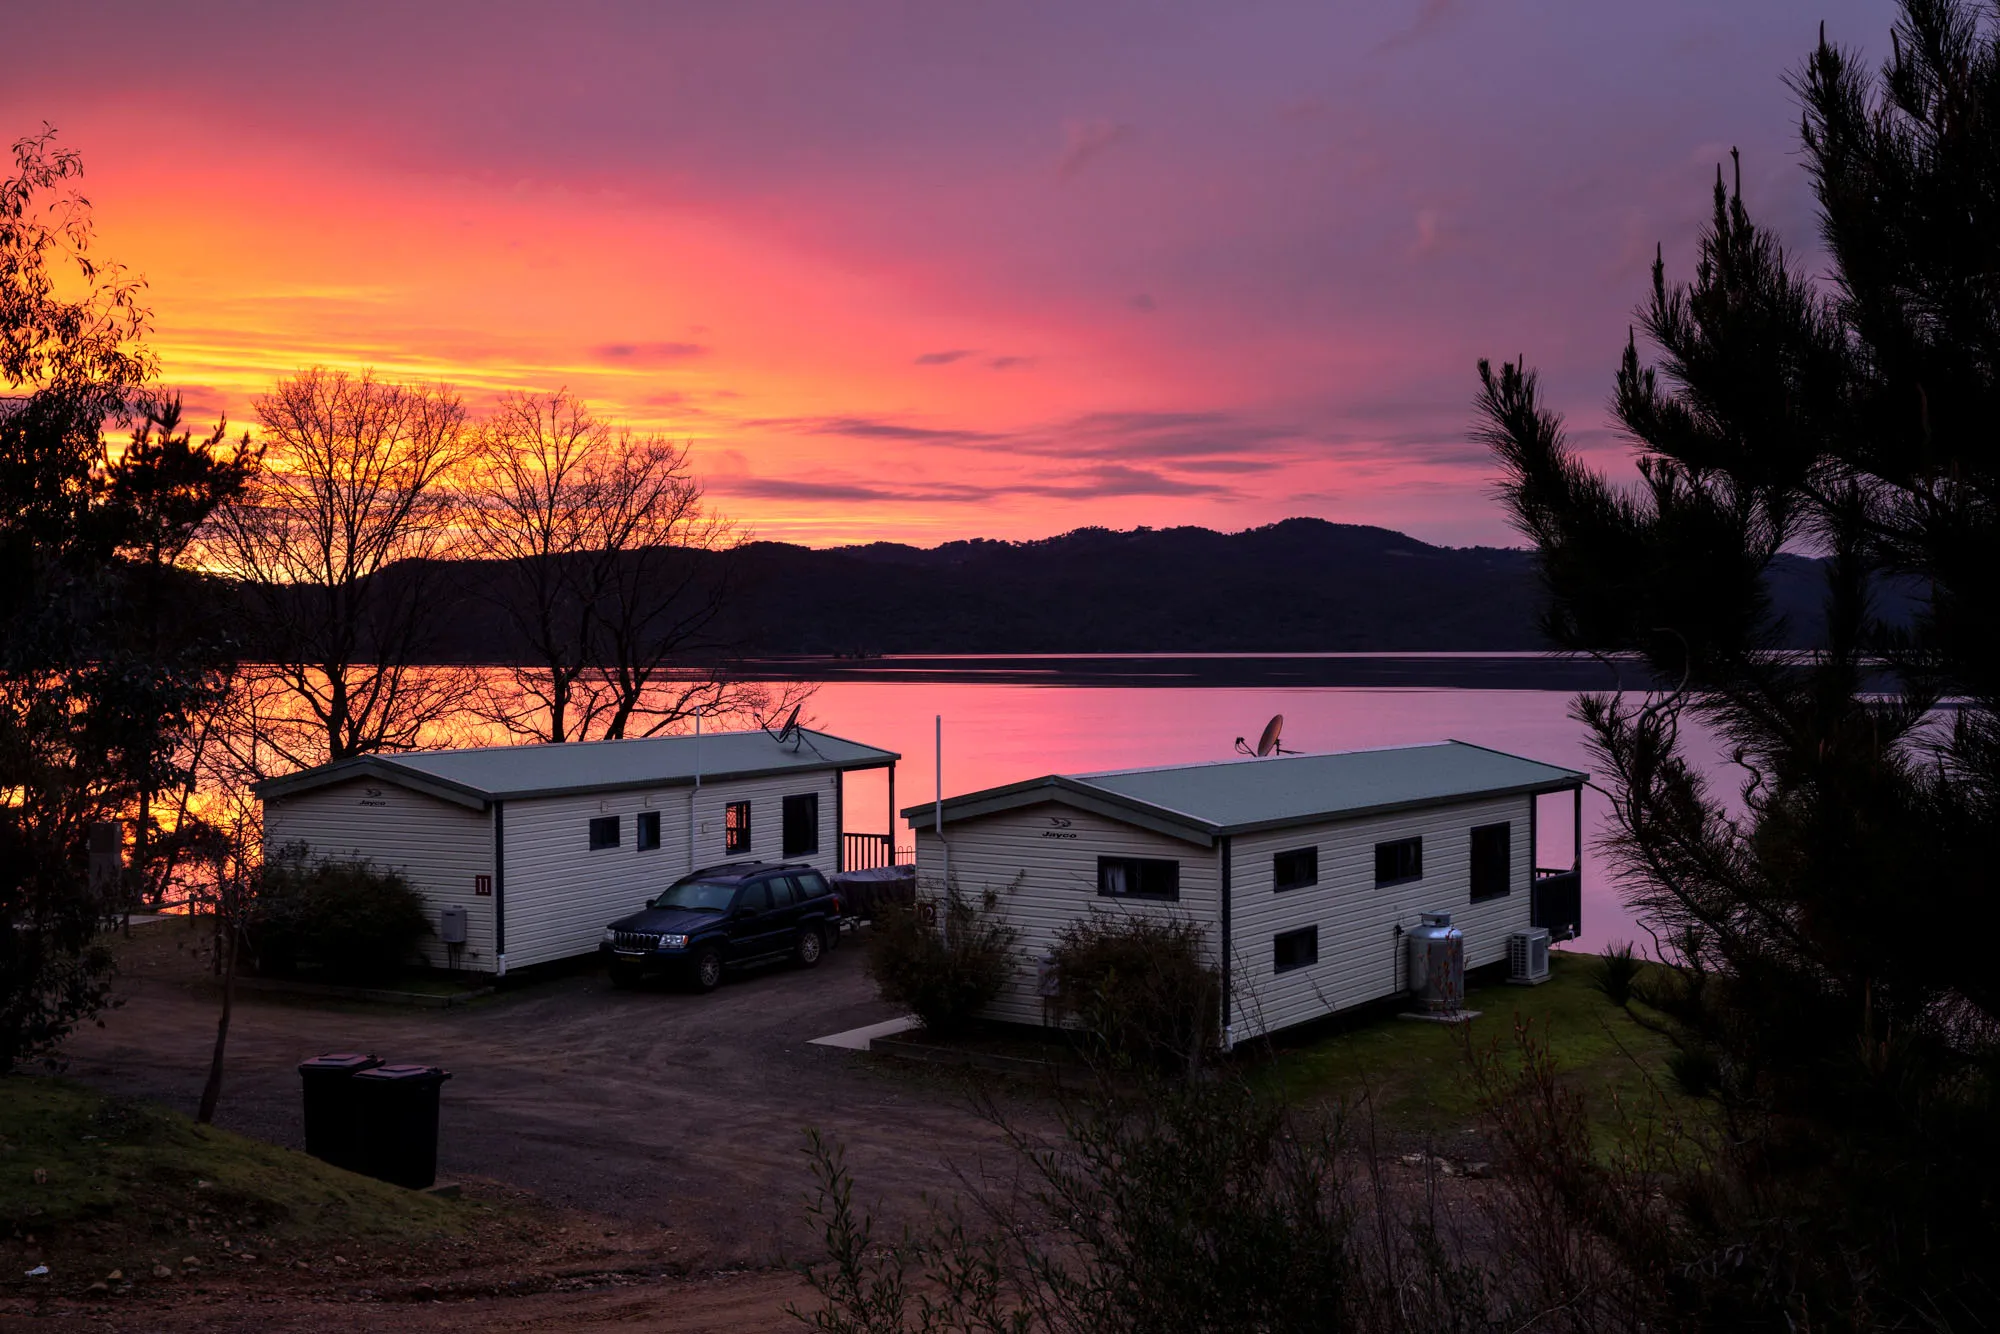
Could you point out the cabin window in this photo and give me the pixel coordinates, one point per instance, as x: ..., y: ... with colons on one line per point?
x: 802, y: 824
x: 1138, y: 878
x: 1398, y: 862
x: 736, y: 827
x: 1294, y: 949
x: 1295, y: 869
x: 603, y: 832
x: 646, y: 830
x: 1492, y: 848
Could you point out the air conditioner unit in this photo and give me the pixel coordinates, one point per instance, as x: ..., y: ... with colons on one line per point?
x: 1528, y: 957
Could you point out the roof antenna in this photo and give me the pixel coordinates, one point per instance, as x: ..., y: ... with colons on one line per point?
x: 1267, y: 744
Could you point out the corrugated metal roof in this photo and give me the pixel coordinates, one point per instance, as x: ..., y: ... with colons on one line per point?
x: 494, y: 773
x: 1233, y: 796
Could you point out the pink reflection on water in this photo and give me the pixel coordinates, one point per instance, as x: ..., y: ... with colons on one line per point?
x: 996, y: 734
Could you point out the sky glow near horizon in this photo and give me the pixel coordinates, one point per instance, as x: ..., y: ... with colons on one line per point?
x: 921, y: 272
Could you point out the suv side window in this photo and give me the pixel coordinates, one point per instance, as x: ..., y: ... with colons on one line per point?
x: 784, y: 891
x: 757, y: 896
x: 811, y: 884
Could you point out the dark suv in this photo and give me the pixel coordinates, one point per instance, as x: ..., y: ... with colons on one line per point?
x: 722, y: 917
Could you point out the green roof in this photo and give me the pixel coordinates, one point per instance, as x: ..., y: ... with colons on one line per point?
x: 477, y: 776
x: 1201, y: 802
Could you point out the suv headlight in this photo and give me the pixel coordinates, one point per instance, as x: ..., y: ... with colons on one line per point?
x: 673, y: 942
x: 609, y: 937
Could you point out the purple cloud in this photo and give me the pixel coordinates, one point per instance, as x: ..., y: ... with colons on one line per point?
x: 649, y: 354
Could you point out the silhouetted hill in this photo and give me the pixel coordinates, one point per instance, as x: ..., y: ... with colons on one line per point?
x: 1297, y: 586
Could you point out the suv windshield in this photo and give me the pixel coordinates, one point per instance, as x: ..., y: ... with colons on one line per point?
x: 701, y: 895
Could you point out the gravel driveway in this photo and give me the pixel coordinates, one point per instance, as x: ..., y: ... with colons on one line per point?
x: 652, y: 1105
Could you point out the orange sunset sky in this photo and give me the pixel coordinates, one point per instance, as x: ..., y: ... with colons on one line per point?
x: 928, y: 271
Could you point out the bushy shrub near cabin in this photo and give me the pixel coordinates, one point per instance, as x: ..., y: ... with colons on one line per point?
x: 942, y: 972
x: 344, y: 921
x: 1143, y: 985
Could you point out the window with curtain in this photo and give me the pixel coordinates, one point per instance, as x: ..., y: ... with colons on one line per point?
x: 1138, y: 878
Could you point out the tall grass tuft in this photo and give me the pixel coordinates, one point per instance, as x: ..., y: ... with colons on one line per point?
x: 1617, y: 969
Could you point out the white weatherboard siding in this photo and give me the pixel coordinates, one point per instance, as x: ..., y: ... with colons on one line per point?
x: 1361, y: 953
x: 767, y: 819
x: 440, y: 847
x: 1045, y: 875
x: 560, y: 894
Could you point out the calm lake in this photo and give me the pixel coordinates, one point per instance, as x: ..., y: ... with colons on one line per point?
x: 1001, y: 726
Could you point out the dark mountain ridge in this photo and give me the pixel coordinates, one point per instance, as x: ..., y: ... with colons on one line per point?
x: 1302, y: 585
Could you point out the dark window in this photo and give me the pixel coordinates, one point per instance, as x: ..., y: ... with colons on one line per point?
x: 1399, y: 861
x: 646, y: 830
x: 812, y: 884
x: 1295, y: 949
x: 1492, y: 848
x: 802, y: 824
x: 756, y: 897
x: 1138, y: 878
x: 736, y: 827
x: 604, y: 832
x: 784, y: 891
x: 1293, y: 870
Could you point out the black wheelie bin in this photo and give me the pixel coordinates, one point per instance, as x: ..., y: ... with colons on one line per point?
x: 398, y: 1106
x: 332, y: 1121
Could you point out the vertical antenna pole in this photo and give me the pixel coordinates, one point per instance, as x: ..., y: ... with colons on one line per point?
x: 944, y: 848
x: 695, y: 795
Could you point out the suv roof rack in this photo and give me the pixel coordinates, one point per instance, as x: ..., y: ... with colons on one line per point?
x: 745, y: 869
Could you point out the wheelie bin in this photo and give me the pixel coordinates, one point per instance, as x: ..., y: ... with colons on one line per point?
x: 332, y: 1123
x: 398, y: 1116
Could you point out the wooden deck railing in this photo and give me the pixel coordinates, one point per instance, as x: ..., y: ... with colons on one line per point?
x: 865, y: 852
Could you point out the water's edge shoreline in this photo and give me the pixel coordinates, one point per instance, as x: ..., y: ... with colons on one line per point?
x: 1435, y: 671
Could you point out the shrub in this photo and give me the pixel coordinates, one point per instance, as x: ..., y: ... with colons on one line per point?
x: 345, y: 920
x: 1696, y: 1071
x: 1617, y: 968
x: 944, y: 977
x: 1142, y: 984
x: 1194, y: 1208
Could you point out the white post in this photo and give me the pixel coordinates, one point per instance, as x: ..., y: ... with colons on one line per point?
x: 694, y: 796
x: 944, y: 849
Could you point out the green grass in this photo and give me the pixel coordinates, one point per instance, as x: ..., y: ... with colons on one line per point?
x: 83, y: 1173
x: 1418, y: 1079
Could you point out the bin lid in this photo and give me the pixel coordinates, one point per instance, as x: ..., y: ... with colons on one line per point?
x: 340, y: 1060
x: 405, y: 1072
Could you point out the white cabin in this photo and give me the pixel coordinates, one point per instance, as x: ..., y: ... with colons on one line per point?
x: 1303, y: 871
x: 543, y: 845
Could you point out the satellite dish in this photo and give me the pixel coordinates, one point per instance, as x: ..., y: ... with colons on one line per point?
x: 789, y: 732
x: 1267, y: 744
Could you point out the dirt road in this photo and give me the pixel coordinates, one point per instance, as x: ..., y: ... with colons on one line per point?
x: 738, y: 1303
x: 681, y: 1111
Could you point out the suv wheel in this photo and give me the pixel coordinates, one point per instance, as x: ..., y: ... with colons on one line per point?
x: 810, y: 946
x: 707, y: 972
